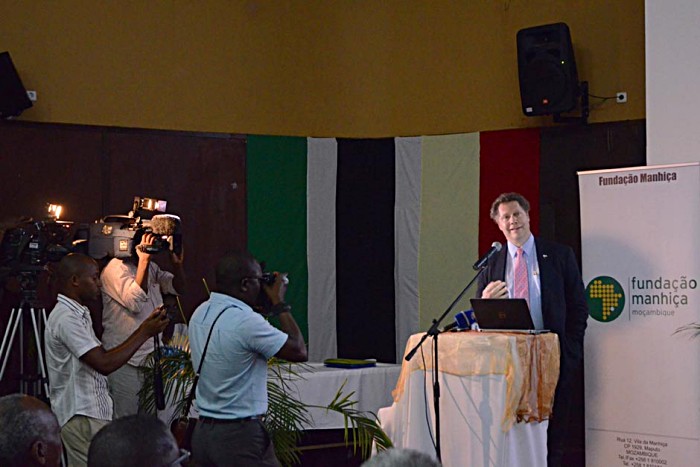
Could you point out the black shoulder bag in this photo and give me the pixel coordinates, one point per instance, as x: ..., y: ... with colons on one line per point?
x: 183, y: 427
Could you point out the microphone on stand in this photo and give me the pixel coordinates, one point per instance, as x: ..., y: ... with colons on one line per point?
x: 481, y: 263
x: 434, y: 332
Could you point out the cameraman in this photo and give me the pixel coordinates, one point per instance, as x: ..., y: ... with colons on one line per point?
x: 77, y: 362
x: 131, y: 289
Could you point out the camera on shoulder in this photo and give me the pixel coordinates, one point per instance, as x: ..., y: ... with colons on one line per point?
x: 116, y: 236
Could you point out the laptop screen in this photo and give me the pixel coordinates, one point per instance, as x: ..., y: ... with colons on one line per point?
x: 502, y: 313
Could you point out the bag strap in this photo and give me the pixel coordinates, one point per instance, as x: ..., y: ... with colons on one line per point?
x: 190, y: 397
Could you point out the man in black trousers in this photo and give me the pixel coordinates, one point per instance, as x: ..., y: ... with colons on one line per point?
x: 547, y: 276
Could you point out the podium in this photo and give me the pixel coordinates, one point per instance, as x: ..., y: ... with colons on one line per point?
x: 497, y: 396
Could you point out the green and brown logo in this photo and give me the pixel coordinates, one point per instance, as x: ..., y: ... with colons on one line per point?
x: 605, y: 298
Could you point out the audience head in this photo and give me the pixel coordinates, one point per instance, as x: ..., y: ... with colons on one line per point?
x: 238, y: 275
x: 401, y: 458
x: 29, y: 433
x: 78, y: 277
x: 135, y: 440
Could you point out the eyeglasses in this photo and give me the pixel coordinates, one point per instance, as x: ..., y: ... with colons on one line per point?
x: 184, y: 455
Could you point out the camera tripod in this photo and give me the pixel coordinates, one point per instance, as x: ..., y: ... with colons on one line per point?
x: 29, y: 309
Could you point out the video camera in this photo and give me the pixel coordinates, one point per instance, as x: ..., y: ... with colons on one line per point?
x: 115, y: 236
x: 27, y: 247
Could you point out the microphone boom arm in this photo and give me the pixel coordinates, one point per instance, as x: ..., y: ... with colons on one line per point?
x: 435, y: 332
x: 435, y: 328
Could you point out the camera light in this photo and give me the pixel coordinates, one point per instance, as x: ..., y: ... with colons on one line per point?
x: 54, y: 210
x: 150, y: 204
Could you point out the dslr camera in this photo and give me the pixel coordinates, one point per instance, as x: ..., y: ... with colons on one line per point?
x: 268, y: 278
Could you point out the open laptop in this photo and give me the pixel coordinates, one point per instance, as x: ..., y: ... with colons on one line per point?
x: 504, y: 314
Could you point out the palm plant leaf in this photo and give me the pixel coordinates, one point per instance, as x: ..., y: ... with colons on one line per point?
x: 285, y: 419
x: 178, y: 374
x: 287, y: 416
x: 364, y: 426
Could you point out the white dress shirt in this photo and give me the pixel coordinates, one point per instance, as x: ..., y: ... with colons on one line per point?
x: 533, y: 276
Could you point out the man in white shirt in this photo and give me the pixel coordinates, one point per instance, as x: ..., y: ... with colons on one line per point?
x: 77, y: 361
x: 131, y: 289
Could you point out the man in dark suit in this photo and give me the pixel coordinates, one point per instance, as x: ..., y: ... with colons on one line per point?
x: 554, y: 290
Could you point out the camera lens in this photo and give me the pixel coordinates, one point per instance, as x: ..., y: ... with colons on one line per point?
x: 268, y: 278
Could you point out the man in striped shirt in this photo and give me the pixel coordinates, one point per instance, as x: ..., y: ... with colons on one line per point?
x: 77, y: 362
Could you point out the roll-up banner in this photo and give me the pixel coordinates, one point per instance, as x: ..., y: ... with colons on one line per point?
x: 640, y: 232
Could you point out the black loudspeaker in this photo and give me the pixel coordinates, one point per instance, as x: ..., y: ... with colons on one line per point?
x: 13, y: 96
x: 547, y: 70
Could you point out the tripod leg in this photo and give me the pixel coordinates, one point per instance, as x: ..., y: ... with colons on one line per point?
x: 7, y: 332
x: 40, y: 350
x: 14, y: 315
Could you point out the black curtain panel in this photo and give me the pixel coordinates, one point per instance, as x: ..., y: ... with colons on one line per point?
x: 365, y: 249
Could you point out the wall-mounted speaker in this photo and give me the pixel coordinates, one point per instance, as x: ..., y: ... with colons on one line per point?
x: 547, y: 70
x: 13, y: 95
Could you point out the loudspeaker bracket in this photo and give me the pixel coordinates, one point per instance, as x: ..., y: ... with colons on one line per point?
x: 585, y: 108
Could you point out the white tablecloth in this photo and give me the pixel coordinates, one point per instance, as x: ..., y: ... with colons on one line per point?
x: 477, y: 428
x: 319, y: 384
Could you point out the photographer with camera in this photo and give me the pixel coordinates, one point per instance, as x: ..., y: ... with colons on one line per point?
x: 131, y: 288
x: 232, y: 343
x: 78, y: 364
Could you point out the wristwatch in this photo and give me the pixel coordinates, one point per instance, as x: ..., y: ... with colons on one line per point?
x: 280, y: 308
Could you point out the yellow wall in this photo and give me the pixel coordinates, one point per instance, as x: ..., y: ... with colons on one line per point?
x: 363, y: 68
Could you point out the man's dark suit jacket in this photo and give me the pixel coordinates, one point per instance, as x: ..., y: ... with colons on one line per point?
x: 564, y: 308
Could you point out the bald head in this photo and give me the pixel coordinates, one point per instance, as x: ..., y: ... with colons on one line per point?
x: 134, y: 440
x: 73, y: 264
x: 78, y: 277
x: 236, y: 275
x: 29, y: 432
x: 398, y: 457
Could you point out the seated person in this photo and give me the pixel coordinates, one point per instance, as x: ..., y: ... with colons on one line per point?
x: 137, y: 441
x: 29, y: 433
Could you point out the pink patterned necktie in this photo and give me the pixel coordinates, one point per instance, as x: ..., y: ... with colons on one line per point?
x: 521, y: 287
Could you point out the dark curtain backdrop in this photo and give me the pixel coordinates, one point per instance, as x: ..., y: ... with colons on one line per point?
x: 509, y: 161
x: 542, y: 164
x: 96, y: 171
x: 565, y: 150
x: 365, y: 249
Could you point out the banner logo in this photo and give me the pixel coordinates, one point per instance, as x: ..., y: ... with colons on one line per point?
x: 605, y: 298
